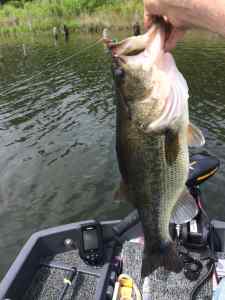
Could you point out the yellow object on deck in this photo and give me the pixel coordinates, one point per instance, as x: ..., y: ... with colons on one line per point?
x: 126, y: 289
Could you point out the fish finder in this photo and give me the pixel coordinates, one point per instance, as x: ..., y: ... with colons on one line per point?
x: 91, y: 248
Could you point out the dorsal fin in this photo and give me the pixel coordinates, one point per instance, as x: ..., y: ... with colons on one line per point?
x: 185, y: 209
x: 195, y: 136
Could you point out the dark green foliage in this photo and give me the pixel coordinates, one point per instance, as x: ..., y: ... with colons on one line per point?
x: 15, y: 3
x: 87, y: 15
x: 81, y: 5
x: 90, y: 5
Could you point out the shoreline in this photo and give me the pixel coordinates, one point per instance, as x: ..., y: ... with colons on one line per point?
x: 38, y: 17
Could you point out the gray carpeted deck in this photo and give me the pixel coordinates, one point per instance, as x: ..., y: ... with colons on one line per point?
x: 48, y: 283
x: 161, y: 283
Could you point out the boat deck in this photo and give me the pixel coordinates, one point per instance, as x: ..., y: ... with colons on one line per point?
x: 163, y: 284
x: 65, y: 276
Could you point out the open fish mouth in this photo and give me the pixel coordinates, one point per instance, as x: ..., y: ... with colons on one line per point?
x: 143, y: 49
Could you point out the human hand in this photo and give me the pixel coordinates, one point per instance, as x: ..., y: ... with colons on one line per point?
x: 173, y: 13
x: 185, y: 14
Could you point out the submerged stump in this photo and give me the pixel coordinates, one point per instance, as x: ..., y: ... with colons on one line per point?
x: 55, y: 33
x: 136, y: 29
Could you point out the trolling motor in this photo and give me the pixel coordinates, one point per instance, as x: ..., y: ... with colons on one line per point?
x: 195, y: 234
x: 198, y: 234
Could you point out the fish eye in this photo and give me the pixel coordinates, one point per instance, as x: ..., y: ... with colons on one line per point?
x: 119, y: 73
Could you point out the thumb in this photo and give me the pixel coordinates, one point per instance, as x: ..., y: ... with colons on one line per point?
x: 148, y: 19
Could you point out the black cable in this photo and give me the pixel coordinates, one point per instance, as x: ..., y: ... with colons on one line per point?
x: 211, y: 257
x: 211, y: 268
x: 70, y: 279
x: 202, y: 280
x: 193, y: 273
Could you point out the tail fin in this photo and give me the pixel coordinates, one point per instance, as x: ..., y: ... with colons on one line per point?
x: 167, y: 259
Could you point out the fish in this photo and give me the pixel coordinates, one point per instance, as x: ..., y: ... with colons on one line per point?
x: 153, y: 135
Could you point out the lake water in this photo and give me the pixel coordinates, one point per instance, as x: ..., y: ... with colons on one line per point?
x: 57, y: 131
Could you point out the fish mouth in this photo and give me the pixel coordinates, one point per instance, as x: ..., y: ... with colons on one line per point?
x: 143, y: 49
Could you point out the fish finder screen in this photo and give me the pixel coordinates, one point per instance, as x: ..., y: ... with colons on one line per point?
x: 90, y: 239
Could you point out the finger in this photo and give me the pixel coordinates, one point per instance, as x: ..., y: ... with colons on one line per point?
x: 148, y: 19
x: 166, y: 19
x: 175, y: 35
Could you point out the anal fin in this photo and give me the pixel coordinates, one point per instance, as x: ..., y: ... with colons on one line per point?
x: 185, y: 209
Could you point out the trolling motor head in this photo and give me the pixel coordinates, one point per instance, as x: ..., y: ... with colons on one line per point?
x: 193, y: 234
x: 202, y: 167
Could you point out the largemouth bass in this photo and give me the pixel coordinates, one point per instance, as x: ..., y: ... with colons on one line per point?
x: 153, y: 132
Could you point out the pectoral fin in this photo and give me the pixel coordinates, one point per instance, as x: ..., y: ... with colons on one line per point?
x: 195, y: 136
x: 171, y: 146
x: 185, y: 209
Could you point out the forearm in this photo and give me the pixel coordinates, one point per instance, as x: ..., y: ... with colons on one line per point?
x: 216, y: 15
x: 208, y: 14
